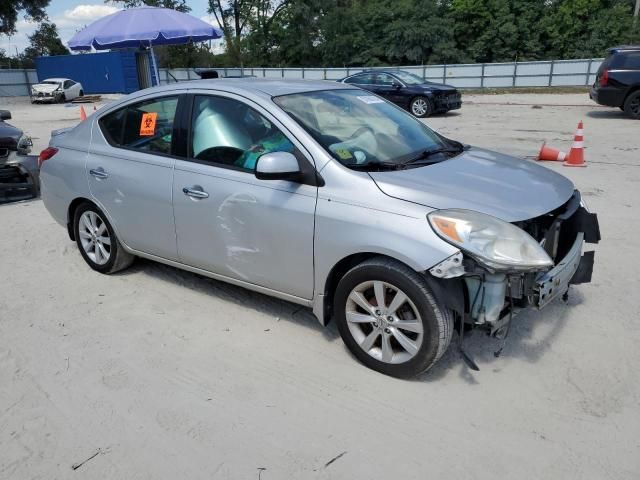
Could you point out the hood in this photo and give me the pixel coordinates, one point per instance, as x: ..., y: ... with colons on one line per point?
x: 441, y: 87
x: 9, y: 136
x: 500, y: 185
x: 45, y: 87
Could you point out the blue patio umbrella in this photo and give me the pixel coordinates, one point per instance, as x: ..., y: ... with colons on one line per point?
x: 143, y: 27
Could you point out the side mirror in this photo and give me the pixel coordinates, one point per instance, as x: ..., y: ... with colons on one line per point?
x: 397, y: 86
x: 278, y: 166
x: 5, y: 115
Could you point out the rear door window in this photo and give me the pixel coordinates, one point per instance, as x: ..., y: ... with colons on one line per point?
x: 146, y: 126
x: 363, y: 79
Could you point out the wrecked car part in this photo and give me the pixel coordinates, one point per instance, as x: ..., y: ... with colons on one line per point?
x: 499, y: 245
x: 449, y: 268
x: 490, y: 289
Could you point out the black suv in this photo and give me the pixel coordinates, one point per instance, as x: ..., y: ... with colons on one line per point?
x: 409, y: 91
x: 618, y: 80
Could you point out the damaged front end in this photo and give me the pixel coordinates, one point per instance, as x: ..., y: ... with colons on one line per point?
x: 505, y: 270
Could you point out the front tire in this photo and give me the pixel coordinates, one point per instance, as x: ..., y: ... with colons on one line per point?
x: 97, y: 240
x: 632, y: 105
x: 421, y: 107
x: 389, y: 318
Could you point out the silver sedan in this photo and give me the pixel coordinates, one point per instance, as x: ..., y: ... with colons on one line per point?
x: 327, y: 196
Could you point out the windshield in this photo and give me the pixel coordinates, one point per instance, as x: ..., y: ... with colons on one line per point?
x: 49, y: 82
x: 409, y: 78
x: 359, y: 129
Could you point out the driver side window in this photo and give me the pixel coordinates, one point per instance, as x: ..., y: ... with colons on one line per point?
x: 228, y: 133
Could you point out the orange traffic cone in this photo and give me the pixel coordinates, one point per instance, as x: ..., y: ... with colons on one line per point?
x: 551, y: 154
x: 83, y: 114
x: 576, y: 154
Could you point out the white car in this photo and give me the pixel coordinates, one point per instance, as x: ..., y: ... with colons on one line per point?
x: 56, y: 90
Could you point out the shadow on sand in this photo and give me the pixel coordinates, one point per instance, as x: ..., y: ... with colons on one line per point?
x: 523, y: 343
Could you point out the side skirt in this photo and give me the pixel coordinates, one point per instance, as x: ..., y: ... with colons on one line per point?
x: 250, y: 286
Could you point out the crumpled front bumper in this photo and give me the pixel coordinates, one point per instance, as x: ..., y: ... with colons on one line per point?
x: 19, y: 178
x: 556, y: 281
x: 573, y: 268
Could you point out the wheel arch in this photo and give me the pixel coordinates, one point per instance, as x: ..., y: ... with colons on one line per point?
x: 71, y: 211
x: 450, y: 292
x: 428, y: 95
x: 632, y: 89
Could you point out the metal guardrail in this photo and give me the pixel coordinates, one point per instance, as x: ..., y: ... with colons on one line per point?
x: 17, y: 82
x: 548, y: 73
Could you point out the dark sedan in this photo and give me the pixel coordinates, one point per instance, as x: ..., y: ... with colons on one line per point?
x: 409, y: 91
x: 19, y: 179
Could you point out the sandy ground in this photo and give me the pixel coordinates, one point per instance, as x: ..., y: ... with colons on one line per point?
x: 163, y: 374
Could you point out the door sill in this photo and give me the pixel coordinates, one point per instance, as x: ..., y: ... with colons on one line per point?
x: 206, y: 273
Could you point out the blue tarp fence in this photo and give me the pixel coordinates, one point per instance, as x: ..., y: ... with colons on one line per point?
x: 109, y: 72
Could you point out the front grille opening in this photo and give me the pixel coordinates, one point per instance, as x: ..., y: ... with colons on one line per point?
x: 557, y: 228
x: 10, y: 174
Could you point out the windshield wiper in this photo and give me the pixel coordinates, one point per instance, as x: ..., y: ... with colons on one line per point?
x: 425, y: 154
x: 371, y: 165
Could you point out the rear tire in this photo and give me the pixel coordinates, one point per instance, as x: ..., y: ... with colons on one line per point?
x: 632, y: 105
x: 97, y: 240
x: 405, y: 336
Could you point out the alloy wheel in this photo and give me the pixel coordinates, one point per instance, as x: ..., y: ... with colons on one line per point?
x: 634, y: 106
x: 384, y: 322
x: 419, y: 107
x: 94, y: 237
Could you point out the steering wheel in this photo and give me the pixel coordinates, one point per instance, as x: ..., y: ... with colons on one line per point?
x: 224, y: 155
x: 362, y: 130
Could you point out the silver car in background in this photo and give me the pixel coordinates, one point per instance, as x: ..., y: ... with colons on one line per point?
x: 324, y: 195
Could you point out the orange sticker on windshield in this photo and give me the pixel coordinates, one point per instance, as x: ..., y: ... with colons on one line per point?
x: 148, y: 124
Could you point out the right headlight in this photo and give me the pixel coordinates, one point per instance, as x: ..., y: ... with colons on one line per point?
x: 491, y: 241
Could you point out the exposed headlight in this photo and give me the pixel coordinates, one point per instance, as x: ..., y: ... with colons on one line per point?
x: 493, y: 242
x: 24, y: 144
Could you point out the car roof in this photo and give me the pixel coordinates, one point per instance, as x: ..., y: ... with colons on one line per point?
x: 382, y: 70
x: 624, y: 48
x: 55, y: 79
x: 263, y: 87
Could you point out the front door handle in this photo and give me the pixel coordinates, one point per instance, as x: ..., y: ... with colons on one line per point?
x: 99, y: 173
x: 195, y: 192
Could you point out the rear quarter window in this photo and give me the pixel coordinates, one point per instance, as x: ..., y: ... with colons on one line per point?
x: 112, y: 126
x: 146, y: 126
x: 624, y: 61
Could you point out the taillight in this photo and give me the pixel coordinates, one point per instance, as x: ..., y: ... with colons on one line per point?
x: 46, y: 154
x: 604, y: 78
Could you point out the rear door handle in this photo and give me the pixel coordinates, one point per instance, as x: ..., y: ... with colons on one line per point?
x: 195, y: 192
x: 99, y: 173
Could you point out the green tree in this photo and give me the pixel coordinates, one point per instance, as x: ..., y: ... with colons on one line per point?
x: 179, y: 5
x: 9, y: 9
x: 45, y: 41
x: 585, y: 28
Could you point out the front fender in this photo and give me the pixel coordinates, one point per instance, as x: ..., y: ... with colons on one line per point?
x: 344, y: 230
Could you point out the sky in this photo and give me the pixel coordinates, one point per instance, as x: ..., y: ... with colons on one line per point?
x: 70, y: 16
